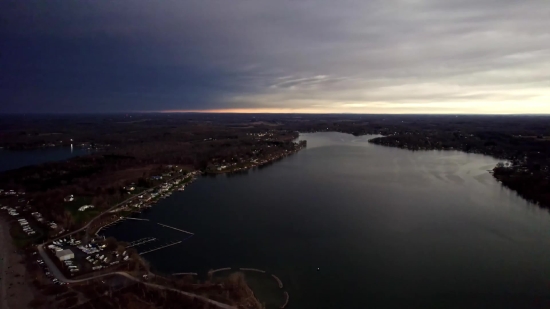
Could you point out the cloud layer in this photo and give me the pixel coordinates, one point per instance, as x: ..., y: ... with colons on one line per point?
x: 393, y: 56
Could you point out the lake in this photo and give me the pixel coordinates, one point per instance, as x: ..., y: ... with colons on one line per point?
x: 348, y: 224
x: 14, y: 159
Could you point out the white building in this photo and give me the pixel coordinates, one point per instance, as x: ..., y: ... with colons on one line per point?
x: 85, y: 207
x: 64, y: 255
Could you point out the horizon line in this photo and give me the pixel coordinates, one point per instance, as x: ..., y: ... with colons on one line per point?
x: 310, y: 112
x: 265, y: 111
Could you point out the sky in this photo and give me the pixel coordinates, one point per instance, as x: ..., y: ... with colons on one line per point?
x: 322, y: 56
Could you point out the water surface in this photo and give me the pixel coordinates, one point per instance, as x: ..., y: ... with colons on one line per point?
x: 14, y: 159
x: 387, y: 228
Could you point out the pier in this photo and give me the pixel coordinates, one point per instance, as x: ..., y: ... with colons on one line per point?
x: 286, y: 301
x: 278, y: 281
x: 219, y: 269
x: 171, y: 227
x: 162, y: 247
x: 139, y: 219
x: 253, y: 269
x: 140, y: 242
x: 185, y: 274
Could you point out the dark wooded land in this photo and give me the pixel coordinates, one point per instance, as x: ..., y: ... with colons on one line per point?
x: 128, y: 150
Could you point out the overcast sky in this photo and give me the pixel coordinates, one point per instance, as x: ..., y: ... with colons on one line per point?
x: 368, y: 56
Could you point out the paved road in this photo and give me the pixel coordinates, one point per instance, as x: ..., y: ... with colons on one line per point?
x: 59, y: 275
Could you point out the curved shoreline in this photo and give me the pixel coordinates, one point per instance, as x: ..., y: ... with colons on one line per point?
x: 534, y: 197
x: 108, y: 225
x: 279, y: 282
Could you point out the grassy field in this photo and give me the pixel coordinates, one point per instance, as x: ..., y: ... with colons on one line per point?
x: 81, y: 216
x: 77, y: 203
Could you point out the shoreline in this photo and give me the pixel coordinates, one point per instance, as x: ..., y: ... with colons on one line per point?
x: 507, y: 177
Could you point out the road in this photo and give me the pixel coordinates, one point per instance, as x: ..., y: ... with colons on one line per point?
x: 61, y: 277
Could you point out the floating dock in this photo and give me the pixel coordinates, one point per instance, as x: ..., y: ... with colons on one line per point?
x: 162, y: 247
x: 171, y: 227
x: 185, y: 274
x: 139, y: 219
x: 219, y: 269
x: 253, y: 269
x: 140, y: 242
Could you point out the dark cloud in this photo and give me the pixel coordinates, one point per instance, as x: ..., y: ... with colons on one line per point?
x: 323, y: 55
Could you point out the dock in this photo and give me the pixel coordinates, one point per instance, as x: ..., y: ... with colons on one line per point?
x: 162, y: 247
x: 139, y: 219
x: 140, y: 242
x: 253, y: 269
x: 219, y: 269
x: 186, y: 238
x: 171, y: 227
x: 184, y: 274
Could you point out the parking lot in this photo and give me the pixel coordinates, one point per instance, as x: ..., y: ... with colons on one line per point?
x: 76, y: 258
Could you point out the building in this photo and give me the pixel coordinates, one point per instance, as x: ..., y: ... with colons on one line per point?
x: 66, y: 254
x: 85, y: 207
